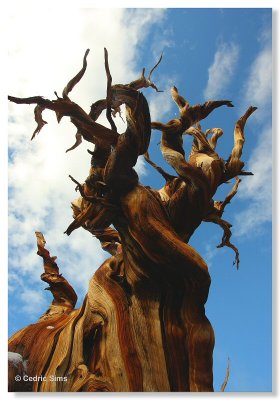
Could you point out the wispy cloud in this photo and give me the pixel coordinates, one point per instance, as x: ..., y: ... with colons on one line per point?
x: 40, y: 191
x: 210, y: 254
x: 258, y: 88
x: 257, y: 190
x: 31, y: 301
x: 222, y: 69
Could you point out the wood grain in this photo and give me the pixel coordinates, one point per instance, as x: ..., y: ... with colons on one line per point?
x: 142, y: 325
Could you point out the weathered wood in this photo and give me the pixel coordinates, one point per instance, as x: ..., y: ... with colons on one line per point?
x: 142, y: 325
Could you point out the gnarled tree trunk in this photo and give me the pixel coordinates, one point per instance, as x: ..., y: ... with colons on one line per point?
x: 142, y: 325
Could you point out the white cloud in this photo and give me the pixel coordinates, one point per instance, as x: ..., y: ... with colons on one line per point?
x: 257, y: 190
x: 258, y: 87
x: 210, y: 254
x: 31, y: 301
x: 222, y: 70
x: 161, y: 103
x: 45, y: 51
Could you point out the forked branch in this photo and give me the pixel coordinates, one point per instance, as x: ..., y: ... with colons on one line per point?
x: 216, y: 217
x: 144, y: 82
x: 63, y: 293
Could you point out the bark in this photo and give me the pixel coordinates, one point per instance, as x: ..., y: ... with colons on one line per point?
x: 142, y: 325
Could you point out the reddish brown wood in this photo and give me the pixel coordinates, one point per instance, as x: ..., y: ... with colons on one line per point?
x: 142, y: 325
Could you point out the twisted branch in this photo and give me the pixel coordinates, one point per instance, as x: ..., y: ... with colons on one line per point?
x: 215, y: 217
x: 63, y: 293
x: 73, y: 82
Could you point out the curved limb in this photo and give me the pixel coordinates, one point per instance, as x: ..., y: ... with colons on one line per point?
x: 179, y: 100
x: 140, y: 83
x: 201, y: 142
x: 63, y: 293
x: 89, y: 129
x: 234, y: 165
x: 71, y: 84
x: 119, y: 174
x: 109, y: 239
x: 215, y: 217
x: 192, y: 115
x: 216, y: 134
x: 189, y: 116
x: 39, y: 119
x: 163, y: 173
x: 239, y: 133
x: 77, y: 142
x: 226, y: 236
x: 143, y: 82
x: 220, y: 206
x: 189, y: 173
x: 109, y: 93
x: 94, y: 213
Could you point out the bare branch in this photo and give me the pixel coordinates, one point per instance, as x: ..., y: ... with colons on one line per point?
x: 215, y: 217
x: 97, y: 108
x: 224, y: 384
x: 109, y: 92
x: 64, y: 295
x: 109, y: 239
x: 234, y: 165
x: 163, y: 173
x: 226, y: 236
x: 152, y: 70
x: 203, y: 145
x: 39, y: 119
x: 71, y: 84
x: 246, y: 173
x: 29, y: 100
x: 216, y: 134
x: 239, y: 133
x: 91, y: 199
x: 231, y: 194
x: 90, y: 130
x: 143, y: 82
x: 189, y: 116
x: 77, y: 143
x: 179, y: 100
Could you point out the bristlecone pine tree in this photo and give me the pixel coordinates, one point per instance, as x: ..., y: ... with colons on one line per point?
x: 142, y: 325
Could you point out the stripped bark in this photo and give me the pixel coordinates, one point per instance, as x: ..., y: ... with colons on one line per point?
x: 142, y: 325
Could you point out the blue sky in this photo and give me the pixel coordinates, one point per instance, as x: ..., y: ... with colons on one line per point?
x: 207, y: 53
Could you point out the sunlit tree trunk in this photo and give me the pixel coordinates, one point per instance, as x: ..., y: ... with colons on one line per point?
x: 142, y: 325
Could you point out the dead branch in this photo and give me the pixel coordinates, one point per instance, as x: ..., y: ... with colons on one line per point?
x: 63, y: 293
x: 215, y: 217
x: 226, y: 236
x: 179, y: 100
x: 109, y: 239
x: 228, y: 198
x: 216, y: 134
x: 224, y: 384
x: 149, y: 296
x: 80, y: 187
x: 143, y: 82
x: 109, y: 92
x: 90, y: 130
x: 234, y: 165
x: 163, y: 173
x: 77, y: 143
x: 73, y: 82
x: 39, y: 119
